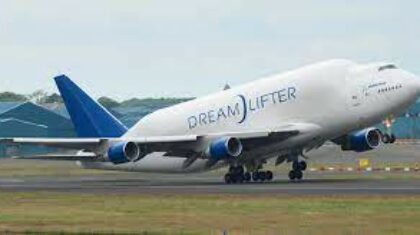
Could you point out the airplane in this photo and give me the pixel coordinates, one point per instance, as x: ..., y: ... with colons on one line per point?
x: 280, y: 117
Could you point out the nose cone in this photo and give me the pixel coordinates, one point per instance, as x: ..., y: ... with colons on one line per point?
x: 416, y: 85
x: 413, y: 83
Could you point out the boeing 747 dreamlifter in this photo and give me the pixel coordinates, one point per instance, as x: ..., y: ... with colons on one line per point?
x: 283, y: 117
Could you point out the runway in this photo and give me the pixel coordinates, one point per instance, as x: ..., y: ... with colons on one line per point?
x: 315, y: 184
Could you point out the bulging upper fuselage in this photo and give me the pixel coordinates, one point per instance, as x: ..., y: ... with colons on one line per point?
x: 339, y: 96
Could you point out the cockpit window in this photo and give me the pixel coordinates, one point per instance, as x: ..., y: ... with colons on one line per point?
x: 385, y: 67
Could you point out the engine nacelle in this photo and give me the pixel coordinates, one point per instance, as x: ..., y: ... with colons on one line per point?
x: 224, y: 147
x: 363, y: 140
x: 123, y: 152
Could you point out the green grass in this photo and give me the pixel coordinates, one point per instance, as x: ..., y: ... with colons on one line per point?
x: 43, y: 212
x: 207, y: 214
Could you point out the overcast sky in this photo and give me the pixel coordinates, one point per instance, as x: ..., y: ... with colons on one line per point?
x: 189, y: 48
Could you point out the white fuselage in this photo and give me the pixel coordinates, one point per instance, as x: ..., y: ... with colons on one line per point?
x: 338, y: 95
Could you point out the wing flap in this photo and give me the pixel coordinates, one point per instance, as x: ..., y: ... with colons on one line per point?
x: 69, y: 143
x: 62, y: 157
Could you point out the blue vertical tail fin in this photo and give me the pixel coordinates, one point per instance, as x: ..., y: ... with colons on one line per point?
x: 89, y: 118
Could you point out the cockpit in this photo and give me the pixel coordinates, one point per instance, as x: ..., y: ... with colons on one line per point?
x: 386, y: 67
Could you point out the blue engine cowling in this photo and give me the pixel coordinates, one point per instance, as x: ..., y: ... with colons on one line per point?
x: 123, y: 152
x: 363, y: 140
x: 224, y: 147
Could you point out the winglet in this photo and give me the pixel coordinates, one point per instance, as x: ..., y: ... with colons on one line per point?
x: 89, y: 118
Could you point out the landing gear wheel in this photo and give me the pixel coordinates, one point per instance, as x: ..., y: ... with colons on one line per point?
x: 299, y: 165
x: 239, y: 170
x: 298, y: 175
x: 269, y: 175
x: 236, y: 175
x: 228, y: 178
x: 295, y: 166
x: 262, y: 176
x: 239, y: 178
x: 295, y: 175
x: 386, y: 138
x: 247, y: 177
x: 255, y: 176
x: 392, y: 139
x: 292, y: 175
x: 302, y: 165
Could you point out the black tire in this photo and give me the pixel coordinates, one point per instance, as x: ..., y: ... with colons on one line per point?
x: 393, y: 139
x: 262, y: 176
x: 255, y: 176
x: 240, y: 170
x: 247, y: 176
x: 269, y: 175
x: 295, y: 165
x: 302, y: 165
x: 386, y: 139
x: 239, y: 178
x: 298, y: 175
x: 228, y: 178
x: 292, y: 175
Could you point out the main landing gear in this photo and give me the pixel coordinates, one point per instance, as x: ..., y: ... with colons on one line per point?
x: 297, y: 170
x: 237, y: 175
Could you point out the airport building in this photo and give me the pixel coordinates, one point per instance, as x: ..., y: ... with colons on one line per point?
x: 26, y: 119
x: 407, y: 126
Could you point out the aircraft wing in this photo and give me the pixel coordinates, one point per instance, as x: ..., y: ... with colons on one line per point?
x: 97, y: 144
x: 170, y: 144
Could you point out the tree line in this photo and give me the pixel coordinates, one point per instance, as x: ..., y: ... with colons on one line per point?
x: 43, y: 97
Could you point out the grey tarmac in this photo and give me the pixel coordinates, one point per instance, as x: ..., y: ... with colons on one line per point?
x: 314, y: 184
x: 66, y: 177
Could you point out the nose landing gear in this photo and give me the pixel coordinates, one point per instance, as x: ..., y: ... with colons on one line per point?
x: 388, y: 138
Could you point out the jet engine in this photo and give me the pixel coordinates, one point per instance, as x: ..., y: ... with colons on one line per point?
x: 363, y: 140
x: 224, y: 147
x: 123, y: 152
